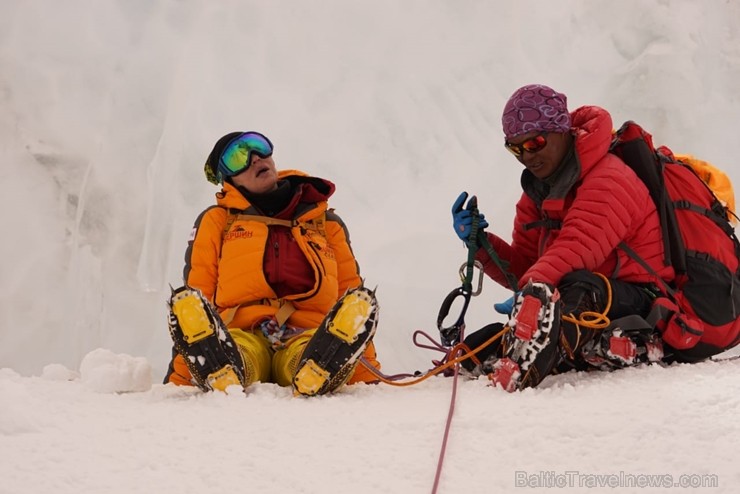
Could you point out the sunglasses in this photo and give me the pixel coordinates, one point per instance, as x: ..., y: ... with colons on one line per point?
x: 237, y: 156
x: 533, y: 145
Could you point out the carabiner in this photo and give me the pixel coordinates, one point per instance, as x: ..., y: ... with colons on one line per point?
x: 463, y: 269
x: 450, y: 336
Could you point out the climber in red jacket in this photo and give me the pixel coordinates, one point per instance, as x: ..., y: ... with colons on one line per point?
x: 578, y: 203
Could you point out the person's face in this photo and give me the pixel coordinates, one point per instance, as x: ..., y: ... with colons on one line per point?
x: 260, y: 177
x: 544, y: 161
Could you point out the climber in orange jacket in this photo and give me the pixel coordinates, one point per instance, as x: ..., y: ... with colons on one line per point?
x: 270, y: 257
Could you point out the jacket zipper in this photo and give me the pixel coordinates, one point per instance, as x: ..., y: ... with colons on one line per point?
x: 319, y: 266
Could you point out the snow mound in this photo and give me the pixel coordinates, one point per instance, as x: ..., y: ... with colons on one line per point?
x: 58, y: 372
x: 103, y: 371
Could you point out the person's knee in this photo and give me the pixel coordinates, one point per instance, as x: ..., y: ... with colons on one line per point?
x: 582, y: 291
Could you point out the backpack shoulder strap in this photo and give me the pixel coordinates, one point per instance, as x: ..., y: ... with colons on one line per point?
x: 547, y: 223
x: 634, y: 146
x: 636, y: 257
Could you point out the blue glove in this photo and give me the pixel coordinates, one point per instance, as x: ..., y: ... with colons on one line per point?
x: 462, y: 219
x: 507, y: 306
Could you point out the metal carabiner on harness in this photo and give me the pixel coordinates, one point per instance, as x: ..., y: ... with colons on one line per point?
x: 450, y: 335
x: 476, y: 264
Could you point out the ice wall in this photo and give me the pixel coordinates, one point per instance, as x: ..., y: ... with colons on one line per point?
x: 109, y: 109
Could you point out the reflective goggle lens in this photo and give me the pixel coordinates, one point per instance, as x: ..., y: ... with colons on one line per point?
x: 238, y: 154
x: 533, y: 145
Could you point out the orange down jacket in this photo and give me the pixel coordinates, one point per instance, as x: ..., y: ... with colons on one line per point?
x: 579, y: 224
x: 225, y: 261
x: 227, y: 250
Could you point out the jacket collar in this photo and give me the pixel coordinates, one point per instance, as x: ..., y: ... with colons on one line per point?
x: 592, y: 127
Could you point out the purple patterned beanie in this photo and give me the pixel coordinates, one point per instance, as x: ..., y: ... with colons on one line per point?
x: 535, y: 107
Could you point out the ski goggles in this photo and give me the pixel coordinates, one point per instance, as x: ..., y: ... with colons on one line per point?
x: 237, y: 156
x: 533, y: 145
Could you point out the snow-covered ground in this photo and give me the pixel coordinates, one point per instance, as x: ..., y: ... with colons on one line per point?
x: 655, y: 425
x: 109, y: 109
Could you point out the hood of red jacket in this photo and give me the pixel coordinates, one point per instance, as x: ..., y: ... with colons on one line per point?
x: 593, y: 132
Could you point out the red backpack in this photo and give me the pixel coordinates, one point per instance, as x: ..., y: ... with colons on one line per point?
x: 699, y: 316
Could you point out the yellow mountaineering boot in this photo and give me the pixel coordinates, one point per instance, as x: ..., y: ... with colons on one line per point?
x: 256, y: 355
x: 200, y: 336
x: 333, y: 352
x: 286, y: 360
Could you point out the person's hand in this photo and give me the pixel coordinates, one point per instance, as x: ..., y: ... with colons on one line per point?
x: 507, y: 306
x: 462, y: 218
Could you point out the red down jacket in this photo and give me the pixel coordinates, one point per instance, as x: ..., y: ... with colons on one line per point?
x: 582, y: 220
